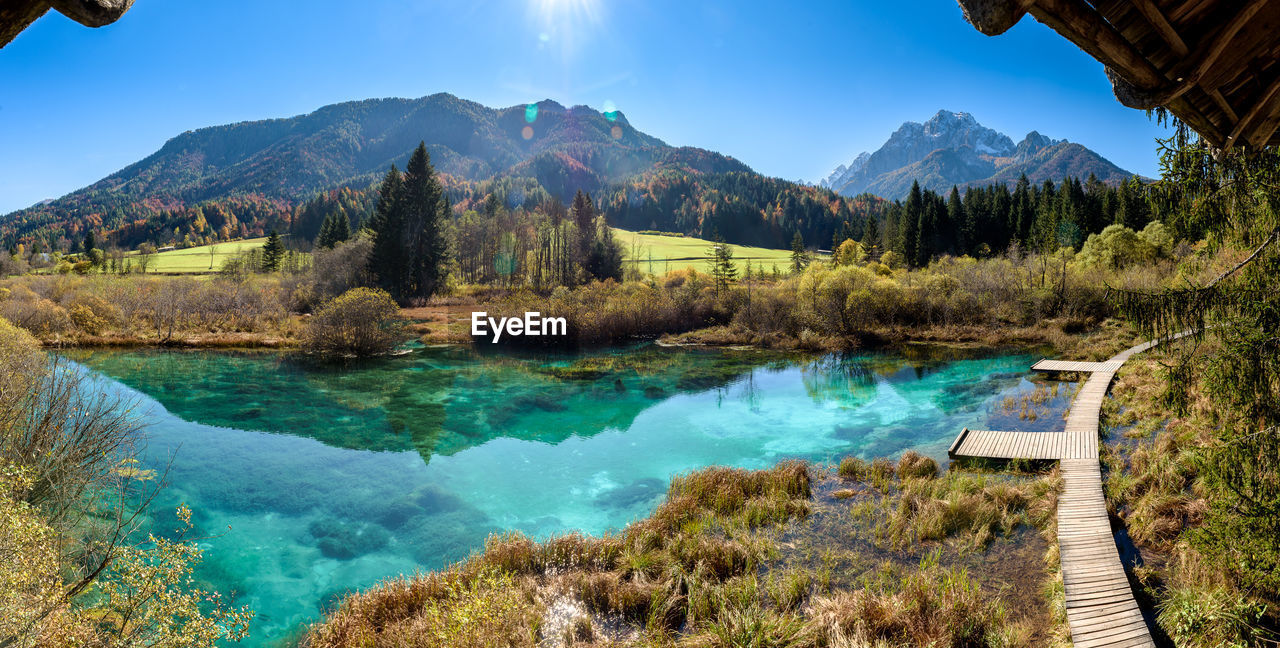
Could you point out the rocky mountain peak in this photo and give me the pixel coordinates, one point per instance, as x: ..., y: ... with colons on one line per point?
x: 1033, y: 143
x: 953, y: 148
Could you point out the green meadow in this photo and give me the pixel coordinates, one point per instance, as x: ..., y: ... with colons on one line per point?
x: 203, y: 259
x: 657, y: 253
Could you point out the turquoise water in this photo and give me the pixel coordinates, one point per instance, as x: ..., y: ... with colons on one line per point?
x: 311, y: 480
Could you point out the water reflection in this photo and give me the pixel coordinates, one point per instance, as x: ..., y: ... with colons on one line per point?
x: 332, y: 478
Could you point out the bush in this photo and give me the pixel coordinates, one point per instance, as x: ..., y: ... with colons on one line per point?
x: 853, y: 468
x: 361, y: 322
x: 915, y: 465
x: 35, y: 313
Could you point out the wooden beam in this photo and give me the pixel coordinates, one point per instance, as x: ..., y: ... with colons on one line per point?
x: 1263, y: 101
x: 1217, y: 97
x: 1206, y: 55
x: 1170, y: 35
x: 1264, y: 132
x: 1084, y: 26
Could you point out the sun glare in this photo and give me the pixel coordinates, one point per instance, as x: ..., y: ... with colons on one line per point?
x: 562, y: 23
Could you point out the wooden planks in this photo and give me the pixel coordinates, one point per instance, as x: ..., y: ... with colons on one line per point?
x: 1100, y: 606
x: 1075, y: 366
x: 995, y: 444
x: 1101, y: 610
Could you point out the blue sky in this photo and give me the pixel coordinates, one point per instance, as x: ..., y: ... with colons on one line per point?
x: 792, y: 89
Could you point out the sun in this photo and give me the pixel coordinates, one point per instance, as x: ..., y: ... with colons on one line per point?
x: 563, y: 23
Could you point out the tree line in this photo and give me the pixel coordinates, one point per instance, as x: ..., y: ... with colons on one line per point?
x: 985, y: 221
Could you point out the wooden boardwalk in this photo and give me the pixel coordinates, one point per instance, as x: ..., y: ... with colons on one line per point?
x: 1100, y: 606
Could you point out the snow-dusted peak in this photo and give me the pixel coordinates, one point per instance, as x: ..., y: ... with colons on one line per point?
x: 953, y: 148
x: 844, y: 172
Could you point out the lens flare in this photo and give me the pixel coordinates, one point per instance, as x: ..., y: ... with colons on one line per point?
x: 527, y: 132
x: 565, y: 22
x: 530, y: 113
x: 616, y: 132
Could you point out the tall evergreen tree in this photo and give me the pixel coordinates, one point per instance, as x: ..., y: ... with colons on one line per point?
x: 959, y: 224
x: 387, y: 260
x: 584, y: 217
x: 425, y: 212
x: 605, y: 260
x: 799, y: 256
x: 723, y: 272
x: 871, y: 238
x: 1022, y: 212
x: 341, y: 227
x: 913, y: 209
x: 272, y: 252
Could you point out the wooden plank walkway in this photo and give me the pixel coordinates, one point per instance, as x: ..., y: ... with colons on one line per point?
x: 1101, y: 610
x: 995, y: 444
x: 1074, y: 366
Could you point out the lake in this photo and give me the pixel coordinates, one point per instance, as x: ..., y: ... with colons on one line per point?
x: 309, y: 480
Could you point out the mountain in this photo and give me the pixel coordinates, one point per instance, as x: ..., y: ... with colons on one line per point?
x: 353, y: 144
x: 243, y: 179
x: 953, y: 149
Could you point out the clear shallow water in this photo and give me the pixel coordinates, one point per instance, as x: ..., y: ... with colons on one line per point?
x: 333, y: 478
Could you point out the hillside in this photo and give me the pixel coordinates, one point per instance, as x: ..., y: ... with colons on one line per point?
x: 282, y: 162
x: 242, y: 180
x: 953, y: 149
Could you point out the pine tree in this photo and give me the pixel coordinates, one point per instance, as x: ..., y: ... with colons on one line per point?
x: 1022, y: 212
x: 584, y: 217
x: 799, y: 256
x: 342, y: 227
x: 871, y: 238
x: 425, y: 211
x: 723, y: 271
x: 959, y: 223
x: 913, y: 210
x: 387, y: 259
x: 334, y: 230
x: 605, y: 260
x: 89, y: 243
x: 324, y: 239
x: 272, y: 252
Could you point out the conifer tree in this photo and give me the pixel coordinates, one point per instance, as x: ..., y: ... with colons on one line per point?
x: 584, y: 217
x: 605, y: 260
x: 799, y: 256
x: 723, y: 271
x: 425, y: 210
x: 957, y: 222
x: 913, y: 210
x: 387, y: 260
x: 871, y: 238
x: 341, y: 227
x: 272, y: 252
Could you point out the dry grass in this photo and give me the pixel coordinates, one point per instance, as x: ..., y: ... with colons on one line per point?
x: 1153, y: 483
x: 932, y: 606
x: 693, y: 574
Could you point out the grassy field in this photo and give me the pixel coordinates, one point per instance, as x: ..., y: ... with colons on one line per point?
x: 655, y: 253
x: 197, y: 260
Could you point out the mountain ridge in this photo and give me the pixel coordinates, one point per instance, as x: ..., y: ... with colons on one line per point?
x: 953, y: 149
x: 245, y: 179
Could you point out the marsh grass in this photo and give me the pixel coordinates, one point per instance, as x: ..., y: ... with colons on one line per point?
x: 1153, y: 484
x: 712, y: 566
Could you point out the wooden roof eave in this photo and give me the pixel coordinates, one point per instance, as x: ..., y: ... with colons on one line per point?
x: 1151, y: 63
